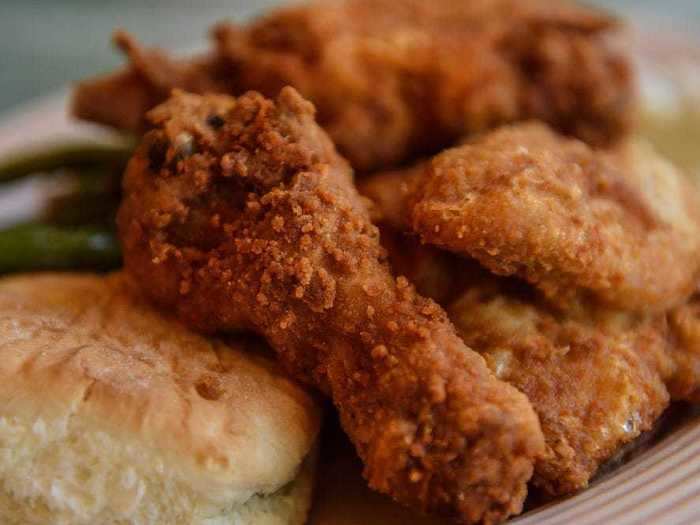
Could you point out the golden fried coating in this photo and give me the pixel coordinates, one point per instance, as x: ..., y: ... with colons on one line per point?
x: 596, y: 382
x: 684, y: 323
x: 394, y: 79
x: 240, y: 212
x: 622, y: 228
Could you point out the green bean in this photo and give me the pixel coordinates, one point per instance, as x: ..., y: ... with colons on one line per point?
x: 36, y: 246
x: 76, y: 210
x: 92, y: 199
x: 98, y: 180
x: 74, y: 156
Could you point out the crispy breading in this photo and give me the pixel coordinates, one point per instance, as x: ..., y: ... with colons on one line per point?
x: 621, y: 228
x: 596, y: 381
x: 240, y: 212
x: 394, y: 79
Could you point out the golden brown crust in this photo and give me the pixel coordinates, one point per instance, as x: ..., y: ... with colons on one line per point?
x: 596, y: 380
x: 254, y: 220
x: 394, y: 79
x: 572, y: 221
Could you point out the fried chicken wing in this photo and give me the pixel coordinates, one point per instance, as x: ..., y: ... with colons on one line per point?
x: 241, y: 213
x: 622, y: 228
x: 596, y: 381
x: 396, y: 78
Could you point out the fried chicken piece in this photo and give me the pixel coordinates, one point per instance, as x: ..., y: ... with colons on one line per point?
x: 394, y: 79
x: 595, y: 377
x: 621, y: 228
x: 122, y: 99
x: 240, y: 212
x: 594, y: 387
x: 596, y: 381
x: 684, y: 323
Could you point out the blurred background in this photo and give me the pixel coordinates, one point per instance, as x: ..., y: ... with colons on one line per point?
x: 47, y: 44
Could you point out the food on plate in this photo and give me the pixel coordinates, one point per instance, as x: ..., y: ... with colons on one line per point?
x: 596, y: 379
x: 112, y: 413
x: 575, y: 222
x: 239, y: 212
x: 396, y: 79
x: 436, y: 213
x: 421, y: 74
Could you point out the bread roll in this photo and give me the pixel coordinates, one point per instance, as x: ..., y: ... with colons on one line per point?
x: 112, y: 414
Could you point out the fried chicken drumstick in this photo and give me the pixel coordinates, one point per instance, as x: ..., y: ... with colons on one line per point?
x: 621, y: 228
x: 241, y: 213
x: 394, y: 79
